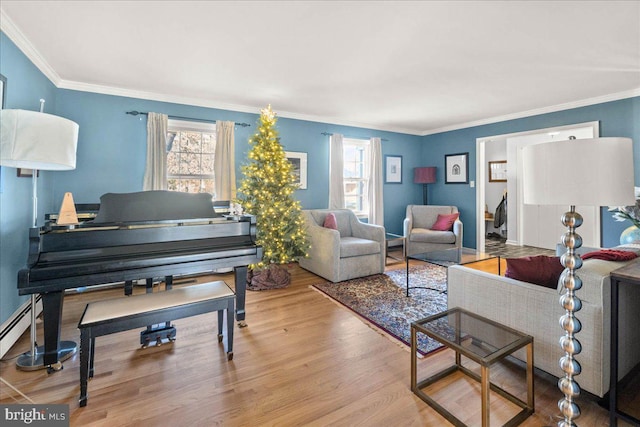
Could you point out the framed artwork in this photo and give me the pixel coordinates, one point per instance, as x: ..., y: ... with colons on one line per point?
x: 3, y: 89
x: 456, y: 168
x: 299, y: 167
x: 25, y: 173
x: 498, y: 171
x: 393, y: 169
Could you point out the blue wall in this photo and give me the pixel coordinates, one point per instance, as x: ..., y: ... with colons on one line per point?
x: 26, y: 85
x: 112, y: 147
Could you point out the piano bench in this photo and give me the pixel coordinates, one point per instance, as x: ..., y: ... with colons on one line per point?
x: 122, y: 314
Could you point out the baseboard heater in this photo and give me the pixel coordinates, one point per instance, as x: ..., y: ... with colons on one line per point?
x: 14, y: 326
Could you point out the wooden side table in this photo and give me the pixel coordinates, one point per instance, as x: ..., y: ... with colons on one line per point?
x: 628, y: 275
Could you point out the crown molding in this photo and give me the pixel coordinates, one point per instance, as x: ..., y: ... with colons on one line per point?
x: 9, y: 28
x: 199, y: 102
x: 153, y: 96
x: 85, y: 87
x: 535, y: 112
x: 340, y: 122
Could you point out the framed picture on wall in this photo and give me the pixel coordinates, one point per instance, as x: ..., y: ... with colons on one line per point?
x: 3, y: 89
x: 393, y: 169
x: 25, y: 173
x: 299, y: 167
x: 456, y: 168
x: 498, y: 171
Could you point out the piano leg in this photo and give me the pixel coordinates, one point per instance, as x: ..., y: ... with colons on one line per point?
x: 128, y: 287
x: 144, y: 335
x: 241, y: 291
x: 168, y: 285
x: 52, y: 318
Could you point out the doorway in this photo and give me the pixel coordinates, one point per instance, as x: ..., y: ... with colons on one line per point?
x: 516, y: 212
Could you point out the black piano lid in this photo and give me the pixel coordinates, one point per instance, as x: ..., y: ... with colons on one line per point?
x: 101, y: 253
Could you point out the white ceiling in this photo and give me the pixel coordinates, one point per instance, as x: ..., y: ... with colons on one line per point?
x: 413, y: 67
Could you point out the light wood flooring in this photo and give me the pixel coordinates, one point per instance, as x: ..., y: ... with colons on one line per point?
x: 302, y: 360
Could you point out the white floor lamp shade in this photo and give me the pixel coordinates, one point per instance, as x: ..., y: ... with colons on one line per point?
x: 589, y: 172
x: 576, y: 172
x: 38, y: 141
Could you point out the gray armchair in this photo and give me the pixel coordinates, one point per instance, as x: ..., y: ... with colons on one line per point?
x: 417, y: 229
x: 354, y: 250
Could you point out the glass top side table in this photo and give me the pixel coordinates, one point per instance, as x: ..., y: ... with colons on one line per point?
x: 481, y: 340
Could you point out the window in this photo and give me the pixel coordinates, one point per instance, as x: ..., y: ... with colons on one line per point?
x: 190, y: 153
x: 356, y: 158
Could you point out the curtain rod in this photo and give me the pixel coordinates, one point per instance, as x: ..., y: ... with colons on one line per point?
x: 135, y: 113
x: 352, y: 137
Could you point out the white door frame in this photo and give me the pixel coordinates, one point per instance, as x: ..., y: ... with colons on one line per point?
x: 481, y: 173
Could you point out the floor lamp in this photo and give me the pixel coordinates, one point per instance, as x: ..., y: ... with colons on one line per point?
x: 576, y: 172
x: 424, y: 176
x: 38, y: 141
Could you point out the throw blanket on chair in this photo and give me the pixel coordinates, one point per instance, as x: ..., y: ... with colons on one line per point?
x: 610, y: 255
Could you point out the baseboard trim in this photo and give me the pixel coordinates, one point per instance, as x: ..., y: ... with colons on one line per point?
x: 13, y: 328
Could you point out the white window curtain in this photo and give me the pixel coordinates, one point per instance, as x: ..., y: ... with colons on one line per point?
x: 224, y: 167
x: 155, y: 173
x: 374, y: 176
x: 336, y: 171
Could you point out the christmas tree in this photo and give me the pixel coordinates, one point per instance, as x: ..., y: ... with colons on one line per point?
x: 266, y: 191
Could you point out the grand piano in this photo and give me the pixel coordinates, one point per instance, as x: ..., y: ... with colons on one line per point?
x: 143, y: 235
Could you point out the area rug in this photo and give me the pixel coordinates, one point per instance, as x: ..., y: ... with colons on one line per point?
x: 381, y: 300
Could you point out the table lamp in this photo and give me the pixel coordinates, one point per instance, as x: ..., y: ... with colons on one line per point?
x: 38, y: 141
x: 576, y: 172
x: 424, y: 175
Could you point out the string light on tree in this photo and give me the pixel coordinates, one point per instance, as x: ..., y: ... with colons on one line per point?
x: 266, y: 191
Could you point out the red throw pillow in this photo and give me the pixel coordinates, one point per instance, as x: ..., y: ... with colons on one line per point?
x: 445, y: 222
x: 330, y: 221
x: 540, y: 270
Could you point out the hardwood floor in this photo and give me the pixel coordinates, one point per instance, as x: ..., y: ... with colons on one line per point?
x: 302, y: 360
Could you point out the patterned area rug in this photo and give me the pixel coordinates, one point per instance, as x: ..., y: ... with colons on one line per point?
x: 381, y: 300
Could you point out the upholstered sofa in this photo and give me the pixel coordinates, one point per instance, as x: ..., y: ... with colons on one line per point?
x: 355, y: 249
x: 419, y: 235
x: 535, y: 310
